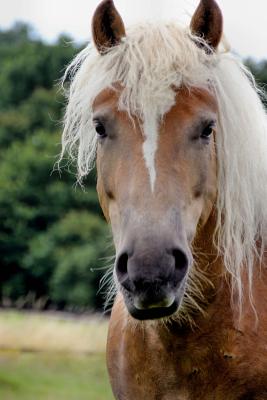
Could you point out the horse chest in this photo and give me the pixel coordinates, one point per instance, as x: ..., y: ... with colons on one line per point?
x: 150, y: 367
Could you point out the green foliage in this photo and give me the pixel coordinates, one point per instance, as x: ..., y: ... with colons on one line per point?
x: 29, y: 64
x: 259, y: 70
x: 18, y: 34
x: 72, y: 247
x: 42, y: 110
x: 51, y: 234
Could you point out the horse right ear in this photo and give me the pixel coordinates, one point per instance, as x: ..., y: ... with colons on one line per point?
x: 207, y: 22
x: 107, y: 26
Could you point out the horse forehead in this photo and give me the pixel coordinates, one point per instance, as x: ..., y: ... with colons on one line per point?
x: 187, y: 100
x: 157, y: 129
x: 108, y: 97
x: 190, y: 100
x: 190, y: 104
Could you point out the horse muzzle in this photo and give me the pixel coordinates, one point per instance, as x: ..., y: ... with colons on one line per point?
x: 152, y: 282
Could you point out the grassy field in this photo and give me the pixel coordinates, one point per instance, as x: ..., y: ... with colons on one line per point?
x: 57, y: 332
x: 32, y: 376
x: 72, y: 370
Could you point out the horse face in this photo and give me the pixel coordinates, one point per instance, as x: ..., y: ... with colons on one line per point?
x: 155, y: 214
x: 156, y: 177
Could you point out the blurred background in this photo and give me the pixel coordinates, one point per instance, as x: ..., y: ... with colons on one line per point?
x: 54, y: 243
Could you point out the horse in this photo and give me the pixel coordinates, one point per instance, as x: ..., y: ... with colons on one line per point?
x: 178, y: 130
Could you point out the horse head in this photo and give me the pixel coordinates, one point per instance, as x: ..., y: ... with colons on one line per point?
x: 156, y: 168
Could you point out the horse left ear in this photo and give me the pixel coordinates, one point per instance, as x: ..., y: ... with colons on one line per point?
x: 207, y: 22
x: 107, y: 26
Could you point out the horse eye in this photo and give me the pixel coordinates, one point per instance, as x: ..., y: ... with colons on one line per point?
x: 208, y: 131
x: 100, y: 129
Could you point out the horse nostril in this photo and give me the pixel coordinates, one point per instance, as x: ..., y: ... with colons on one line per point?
x: 181, y: 261
x: 121, y: 267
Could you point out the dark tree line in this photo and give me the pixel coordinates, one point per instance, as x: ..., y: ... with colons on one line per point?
x: 52, y: 236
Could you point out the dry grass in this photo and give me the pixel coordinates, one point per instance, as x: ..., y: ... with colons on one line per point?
x: 43, y: 332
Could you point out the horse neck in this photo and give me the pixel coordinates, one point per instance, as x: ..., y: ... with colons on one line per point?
x: 207, y: 259
x: 221, y: 304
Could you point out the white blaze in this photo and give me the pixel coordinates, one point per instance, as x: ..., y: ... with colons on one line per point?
x: 150, y: 146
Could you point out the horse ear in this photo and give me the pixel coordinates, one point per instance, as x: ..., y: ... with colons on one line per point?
x: 207, y: 22
x: 107, y: 26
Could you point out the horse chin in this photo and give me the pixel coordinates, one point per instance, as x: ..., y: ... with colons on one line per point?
x: 152, y: 313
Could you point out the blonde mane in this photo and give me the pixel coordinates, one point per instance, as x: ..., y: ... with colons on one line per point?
x: 148, y: 63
